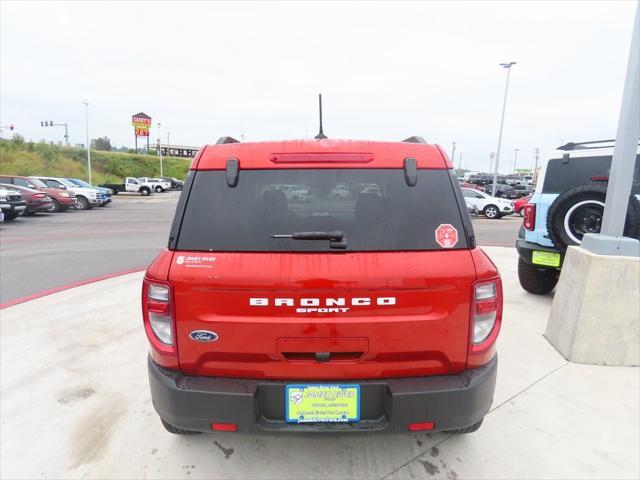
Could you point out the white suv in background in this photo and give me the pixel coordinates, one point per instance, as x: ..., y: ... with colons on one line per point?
x: 490, y: 207
x: 86, y: 198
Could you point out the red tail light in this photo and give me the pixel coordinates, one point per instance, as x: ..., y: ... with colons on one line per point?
x: 224, y: 427
x: 421, y: 426
x: 486, y: 317
x: 159, y: 323
x: 529, y: 220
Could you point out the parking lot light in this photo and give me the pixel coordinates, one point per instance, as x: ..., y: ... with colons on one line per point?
x: 85, y: 102
x: 504, y: 108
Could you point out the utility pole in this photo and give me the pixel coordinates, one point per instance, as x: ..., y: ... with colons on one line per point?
x: 453, y: 152
x: 535, y: 168
x: 515, y: 159
x: 460, y: 162
x: 160, y: 147
x: 86, y: 122
x: 492, y: 155
x: 504, y: 108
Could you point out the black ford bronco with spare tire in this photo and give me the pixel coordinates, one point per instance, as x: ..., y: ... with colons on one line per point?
x: 567, y: 204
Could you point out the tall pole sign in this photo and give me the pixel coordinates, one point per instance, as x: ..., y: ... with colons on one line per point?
x: 141, y: 125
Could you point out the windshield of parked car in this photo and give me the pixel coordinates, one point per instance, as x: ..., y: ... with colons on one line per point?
x: 375, y: 208
x: 66, y: 182
x: 37, y: 183
x: 80, y: 183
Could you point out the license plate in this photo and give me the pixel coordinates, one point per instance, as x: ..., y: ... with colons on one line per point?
x: 547, y: 259
x: 322, y: 403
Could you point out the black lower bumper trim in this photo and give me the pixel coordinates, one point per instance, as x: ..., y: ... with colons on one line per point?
x: 525, y: 249
x: 387, y: 405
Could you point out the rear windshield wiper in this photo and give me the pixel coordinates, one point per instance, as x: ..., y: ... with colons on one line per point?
x: 337, y: 238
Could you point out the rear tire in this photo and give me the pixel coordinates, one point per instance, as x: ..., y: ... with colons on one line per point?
x: 159, y: 189
x: 175, y: 430
x: 145, y: 191
x: 536, y: 280
x: 491, y: 212
x: 179, y: 188
x: 471, y: 429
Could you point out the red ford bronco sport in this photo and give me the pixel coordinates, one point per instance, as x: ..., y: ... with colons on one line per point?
x: 371, y: 310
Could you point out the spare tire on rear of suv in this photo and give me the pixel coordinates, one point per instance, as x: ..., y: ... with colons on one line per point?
x: 579, y: 210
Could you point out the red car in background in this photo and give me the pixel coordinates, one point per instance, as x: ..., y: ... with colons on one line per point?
x: 62, y: 199
x: 471, y: 185
x: 519, y: 204
x: 37, y: 201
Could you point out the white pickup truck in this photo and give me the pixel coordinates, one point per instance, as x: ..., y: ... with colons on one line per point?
x: 159, y: 185
x: 130, y: 184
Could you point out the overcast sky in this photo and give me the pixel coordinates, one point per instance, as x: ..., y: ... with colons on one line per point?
x: 387, y: 71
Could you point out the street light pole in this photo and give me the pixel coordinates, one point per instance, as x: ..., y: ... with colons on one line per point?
x: 504, y: 108
x: 453, y: 152
x: 515, y: 159
x: 610, y: 240
x: 160, y: 147
x: 460, y: 162
x: 86, y: 122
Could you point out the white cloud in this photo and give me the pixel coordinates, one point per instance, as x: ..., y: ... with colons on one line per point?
x: 387, y: 70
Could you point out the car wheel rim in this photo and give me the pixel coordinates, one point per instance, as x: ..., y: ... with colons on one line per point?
x: 491, y: 212
x: 583, y: 217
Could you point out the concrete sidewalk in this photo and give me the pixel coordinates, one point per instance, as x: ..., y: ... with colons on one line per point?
x: 75, y: 403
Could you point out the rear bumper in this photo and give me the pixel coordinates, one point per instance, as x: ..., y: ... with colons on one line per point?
x: 387, y: 405
x: 34, y: 207
x: 11, y: 206
x: 525, y: 250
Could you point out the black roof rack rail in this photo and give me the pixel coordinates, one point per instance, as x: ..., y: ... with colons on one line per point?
x: 414, y: 139
x: 586, y: 145
x: 226, y: 139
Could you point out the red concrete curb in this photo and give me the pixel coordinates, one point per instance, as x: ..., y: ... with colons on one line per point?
x: 69, y: 286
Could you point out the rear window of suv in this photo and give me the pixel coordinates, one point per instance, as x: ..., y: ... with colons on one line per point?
x: 375, y: 208
x: 563, y: 174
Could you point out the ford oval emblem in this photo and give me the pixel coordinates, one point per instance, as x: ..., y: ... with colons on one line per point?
x: 203, y: 336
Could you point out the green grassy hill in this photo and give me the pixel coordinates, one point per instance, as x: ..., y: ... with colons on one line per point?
x: 18, y: 157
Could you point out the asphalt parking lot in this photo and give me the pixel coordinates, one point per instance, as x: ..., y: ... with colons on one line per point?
x: 47, y: 251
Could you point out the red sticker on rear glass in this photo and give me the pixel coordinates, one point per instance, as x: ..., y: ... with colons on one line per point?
x: 446, y: 235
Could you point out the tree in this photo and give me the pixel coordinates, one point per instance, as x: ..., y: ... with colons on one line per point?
x: 102, y: 143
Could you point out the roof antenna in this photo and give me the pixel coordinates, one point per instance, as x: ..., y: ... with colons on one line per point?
x: 320, y: 134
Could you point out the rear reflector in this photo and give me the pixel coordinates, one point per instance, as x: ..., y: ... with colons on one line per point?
x: 420, y: 426
x: 224, y: 427
x: 321, y: 157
